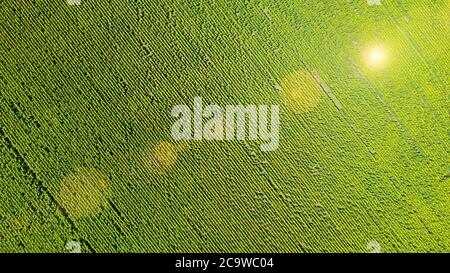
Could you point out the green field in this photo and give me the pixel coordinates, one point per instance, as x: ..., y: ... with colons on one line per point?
x: 86, y: 153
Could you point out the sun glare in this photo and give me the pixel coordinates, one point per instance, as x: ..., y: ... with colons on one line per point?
x: 376, y: 57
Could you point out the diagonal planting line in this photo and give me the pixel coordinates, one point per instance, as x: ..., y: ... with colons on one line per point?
x: 415, y: 46
x: 324, y: 86
x: 406, y: 134
x: 29, y: 171
x: 43, y: 189
x: 327, y: 90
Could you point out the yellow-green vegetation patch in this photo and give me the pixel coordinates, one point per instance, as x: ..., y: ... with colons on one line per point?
x: 300, y: 91
x: 84, y: 192
x: 162, y: 156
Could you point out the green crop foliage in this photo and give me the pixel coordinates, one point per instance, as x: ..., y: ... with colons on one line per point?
x: 86, y: 153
